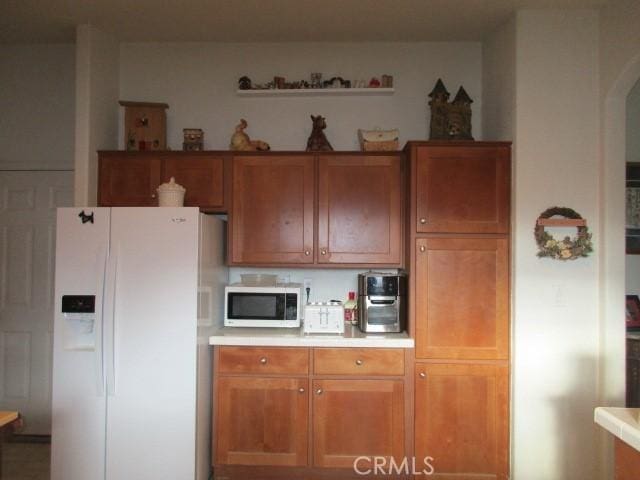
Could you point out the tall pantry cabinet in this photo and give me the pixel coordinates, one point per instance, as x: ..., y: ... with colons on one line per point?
x: 458, y: 255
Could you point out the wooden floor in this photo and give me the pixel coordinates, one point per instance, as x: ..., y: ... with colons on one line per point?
x: 25, y: 461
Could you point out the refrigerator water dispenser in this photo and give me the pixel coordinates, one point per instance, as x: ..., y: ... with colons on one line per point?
x: 79, y: 311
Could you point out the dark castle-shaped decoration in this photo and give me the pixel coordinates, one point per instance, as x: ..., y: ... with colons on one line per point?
x: 449, y: 121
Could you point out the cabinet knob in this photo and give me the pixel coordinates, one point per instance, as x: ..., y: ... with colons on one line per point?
x: 301, y: 390
x: 153, y: 195
x: 358, y: 362
x: 323, y: 251
x: 263, y: 360
x: 423, y: 248
x: 319, y: 391
x: 423, y: 221
x: 423, y: 375
x: 307, y: 252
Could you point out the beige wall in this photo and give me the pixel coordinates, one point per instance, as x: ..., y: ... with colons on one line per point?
x: 96, y: 127
x: 199, y: 81
x: 36, y: 101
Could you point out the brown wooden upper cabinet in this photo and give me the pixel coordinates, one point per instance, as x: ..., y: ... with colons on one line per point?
x: 126, y: 180
x: 272, y: 210
x: 462, y: 188
x: 359, y: 209
x: 130, y: 179
x: 462, y: 298
x: 202, y: 176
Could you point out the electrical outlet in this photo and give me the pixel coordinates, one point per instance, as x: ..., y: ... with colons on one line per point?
x: 307, y: 285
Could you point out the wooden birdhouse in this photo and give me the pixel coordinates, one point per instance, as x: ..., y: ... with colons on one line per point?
x: 145, y: 125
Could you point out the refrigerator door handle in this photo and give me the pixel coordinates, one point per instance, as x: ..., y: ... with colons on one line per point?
x: 101, y: 268
x: 110, y: 324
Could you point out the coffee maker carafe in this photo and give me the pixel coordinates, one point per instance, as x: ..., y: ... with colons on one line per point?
x: 382, y: 302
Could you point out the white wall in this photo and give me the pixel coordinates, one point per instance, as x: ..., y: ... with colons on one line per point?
x: 96, y: 116
x: 326, y: 284
x: 619, y: 71
x: 37, y: 104
x: 632, y: 275
x: 499, y: 83
x: 633, y: 125
x: 552, y: 109
x: 199, y: 80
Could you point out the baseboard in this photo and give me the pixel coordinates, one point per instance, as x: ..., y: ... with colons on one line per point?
x: 24, y: 438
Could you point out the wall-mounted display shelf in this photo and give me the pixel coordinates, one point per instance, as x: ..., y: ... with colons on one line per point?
x: 313, y: 92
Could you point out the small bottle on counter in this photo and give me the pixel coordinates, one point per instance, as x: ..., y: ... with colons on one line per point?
x: 350, y: 309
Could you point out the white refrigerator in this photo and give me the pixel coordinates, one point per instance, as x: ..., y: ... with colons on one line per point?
x: 137, y: 292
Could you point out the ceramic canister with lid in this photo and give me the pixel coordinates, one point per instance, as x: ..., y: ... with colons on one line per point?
x: 171, y: 194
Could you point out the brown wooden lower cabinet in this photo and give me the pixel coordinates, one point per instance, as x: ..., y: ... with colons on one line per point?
x: 627, y: 461
x: 461, y: 419
x: 262, y: 421
x: 272, y: 412
x: 355, y: 418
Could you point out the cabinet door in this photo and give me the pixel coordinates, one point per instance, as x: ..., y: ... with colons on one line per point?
x: 128, y: 180
x: 461, y: 419
x: 359, y: 209
x: 462, y: 298
x: 353, y: 418
x: 202, y: 176
x: 272, y: 212
x: 262, y: 421
x: 463, y: 189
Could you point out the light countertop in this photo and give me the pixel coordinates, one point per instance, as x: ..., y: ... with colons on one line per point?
x: 624, y: 423
x: 285, y: 337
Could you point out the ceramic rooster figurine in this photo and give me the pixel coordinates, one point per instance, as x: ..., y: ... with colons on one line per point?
x: 241, y: 141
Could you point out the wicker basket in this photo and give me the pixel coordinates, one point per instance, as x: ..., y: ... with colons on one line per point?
x: 378, y: 140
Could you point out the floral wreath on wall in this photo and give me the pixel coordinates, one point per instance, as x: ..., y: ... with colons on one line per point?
x: 568, y: 248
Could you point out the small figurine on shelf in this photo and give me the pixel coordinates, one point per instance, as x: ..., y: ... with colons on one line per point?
x: 317, y: 141
x: 316, y: 80
x: 241, y: 141
x: 244, y: 83
x: 374, y: 83
x: 279, y: 82
x: 193, y: 139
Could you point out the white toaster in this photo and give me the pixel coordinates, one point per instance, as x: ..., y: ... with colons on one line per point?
x: 324, y: 318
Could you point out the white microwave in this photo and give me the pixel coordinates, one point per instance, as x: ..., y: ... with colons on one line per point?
x: 250, y: 306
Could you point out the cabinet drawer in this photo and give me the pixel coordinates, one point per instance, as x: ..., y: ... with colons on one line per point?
x: 261, y: 360
x: 358, y: 361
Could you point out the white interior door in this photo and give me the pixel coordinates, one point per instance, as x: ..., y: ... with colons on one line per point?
x: 28, y: 202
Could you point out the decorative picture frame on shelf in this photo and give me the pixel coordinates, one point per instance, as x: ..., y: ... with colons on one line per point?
x: 633, y: 311
x: 632, y: 209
